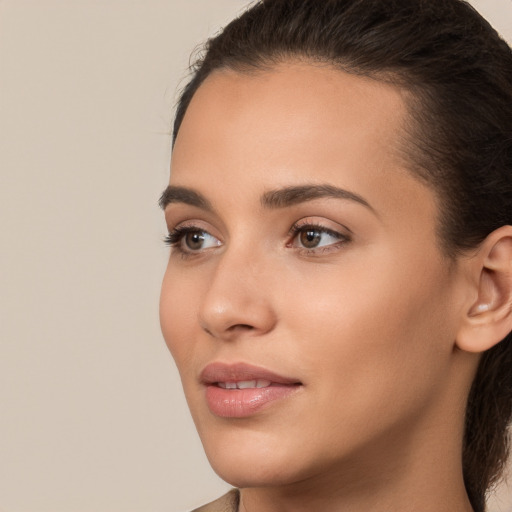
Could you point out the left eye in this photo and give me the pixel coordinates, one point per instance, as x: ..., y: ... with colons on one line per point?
x: 313, y: 237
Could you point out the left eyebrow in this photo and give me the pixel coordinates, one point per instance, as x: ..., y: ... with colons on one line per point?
x: 173, y: 194
x: 289, y: 196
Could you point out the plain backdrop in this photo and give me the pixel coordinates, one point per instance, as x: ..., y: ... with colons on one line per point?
x: 92, y: 416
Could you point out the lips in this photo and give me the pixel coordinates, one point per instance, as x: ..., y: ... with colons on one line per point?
x: 242, y: 390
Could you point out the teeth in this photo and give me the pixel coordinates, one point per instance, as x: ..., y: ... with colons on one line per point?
x: 245, y: 384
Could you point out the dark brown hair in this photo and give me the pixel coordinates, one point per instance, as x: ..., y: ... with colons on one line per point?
x: 458, y: 72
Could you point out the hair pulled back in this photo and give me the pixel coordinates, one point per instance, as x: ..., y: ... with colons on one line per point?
x: 458, y: 72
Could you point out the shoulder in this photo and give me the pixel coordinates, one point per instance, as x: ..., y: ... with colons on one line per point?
x: 227, y: 503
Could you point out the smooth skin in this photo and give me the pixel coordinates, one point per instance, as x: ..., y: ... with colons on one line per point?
x: 352, y: 296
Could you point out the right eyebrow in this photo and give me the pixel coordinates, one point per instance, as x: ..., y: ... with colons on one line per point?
x: 174, y: 194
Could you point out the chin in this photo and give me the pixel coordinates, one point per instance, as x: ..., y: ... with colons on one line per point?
x: 246, y: 457
x: 255, y: 470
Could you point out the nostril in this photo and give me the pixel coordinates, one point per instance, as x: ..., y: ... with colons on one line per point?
x: 242, y: 327
x: 234, y: 329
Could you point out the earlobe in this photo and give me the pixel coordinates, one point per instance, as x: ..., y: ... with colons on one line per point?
x: 488, y: 320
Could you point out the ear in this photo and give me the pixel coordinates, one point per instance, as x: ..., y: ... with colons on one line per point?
x: 488, y: 319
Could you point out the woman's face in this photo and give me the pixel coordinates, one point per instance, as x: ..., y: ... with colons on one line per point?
x: 304, y: 269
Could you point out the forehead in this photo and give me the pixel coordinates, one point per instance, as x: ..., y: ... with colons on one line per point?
x: 295, y: 123
x: 294, y: 104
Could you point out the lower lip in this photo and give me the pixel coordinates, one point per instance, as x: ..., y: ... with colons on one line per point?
x: 241, y: 403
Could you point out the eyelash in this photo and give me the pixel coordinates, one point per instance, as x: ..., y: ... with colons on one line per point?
x: 175, y: 238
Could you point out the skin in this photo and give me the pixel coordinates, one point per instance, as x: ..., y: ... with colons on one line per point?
x: 367, y: 320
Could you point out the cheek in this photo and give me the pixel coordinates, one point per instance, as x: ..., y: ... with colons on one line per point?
x: 178, y: 304
x: 379, y: 335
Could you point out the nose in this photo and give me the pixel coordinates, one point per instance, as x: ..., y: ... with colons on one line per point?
x: 238, y: 301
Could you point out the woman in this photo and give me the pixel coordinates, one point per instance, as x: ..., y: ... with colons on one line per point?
x: 338, y: 298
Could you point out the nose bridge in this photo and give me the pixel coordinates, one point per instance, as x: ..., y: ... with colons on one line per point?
x: 238, y: 298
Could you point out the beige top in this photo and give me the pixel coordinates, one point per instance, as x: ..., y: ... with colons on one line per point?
x: 227, y: 503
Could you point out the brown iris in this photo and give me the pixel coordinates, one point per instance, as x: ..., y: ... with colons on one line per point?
x: 310, y: 238
x: 194, y: 240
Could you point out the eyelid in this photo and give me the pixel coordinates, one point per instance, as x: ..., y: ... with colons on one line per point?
x: 179, y: 214
x: 322, y: 224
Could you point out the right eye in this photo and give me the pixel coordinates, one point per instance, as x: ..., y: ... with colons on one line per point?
x: 191, y: 239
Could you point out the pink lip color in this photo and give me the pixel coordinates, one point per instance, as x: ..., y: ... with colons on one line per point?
x: 240, y: 403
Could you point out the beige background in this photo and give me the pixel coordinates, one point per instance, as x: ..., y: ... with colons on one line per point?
x: 91, y: 413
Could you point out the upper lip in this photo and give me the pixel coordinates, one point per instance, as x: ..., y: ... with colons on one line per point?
x: 223, y: 372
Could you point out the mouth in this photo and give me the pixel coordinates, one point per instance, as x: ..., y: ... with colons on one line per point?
x: 241, y: 390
